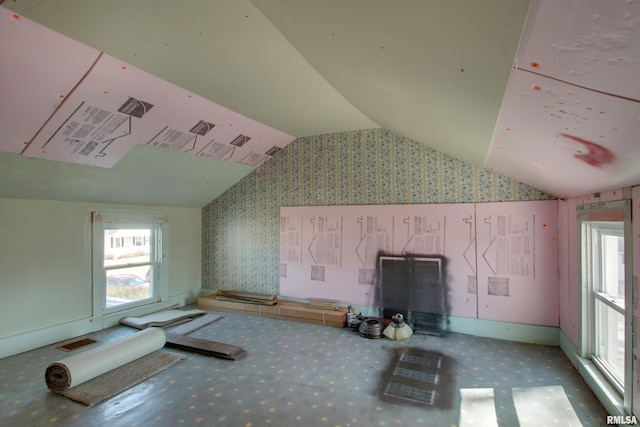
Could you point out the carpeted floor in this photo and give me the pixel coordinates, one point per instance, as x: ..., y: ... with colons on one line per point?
x: 298, y: 374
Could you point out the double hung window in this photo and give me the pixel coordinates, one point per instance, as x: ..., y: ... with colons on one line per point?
x: 127, y: 260
x: 606, y: 316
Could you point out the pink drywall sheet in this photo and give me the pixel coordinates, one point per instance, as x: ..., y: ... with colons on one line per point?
x: 118, y: 105
x: 546, y: 126
x: 39, y: 68
x: 563, y: 264
x: 575, y: 288
x: 331, y: 251
x: 518, y: 262
x: 584, y: 43
x: 569, y: 279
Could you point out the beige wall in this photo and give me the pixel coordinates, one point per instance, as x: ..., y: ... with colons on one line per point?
x: 45, y: 261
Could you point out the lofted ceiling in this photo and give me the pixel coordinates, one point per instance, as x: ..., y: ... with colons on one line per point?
x: 546, y: 93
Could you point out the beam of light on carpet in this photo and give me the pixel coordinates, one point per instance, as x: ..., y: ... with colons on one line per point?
x: 544, y: 406
x: 477, y: 408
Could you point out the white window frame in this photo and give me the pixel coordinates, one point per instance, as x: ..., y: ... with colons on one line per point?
x: 592, y: 220
x: 600, y: 299
x: 158, y: 223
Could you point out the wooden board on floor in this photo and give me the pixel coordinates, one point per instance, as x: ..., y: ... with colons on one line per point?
x: 210, y: 348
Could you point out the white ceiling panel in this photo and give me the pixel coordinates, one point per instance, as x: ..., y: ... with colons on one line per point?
x: 433, y: 71
x: 586, y: 43
x: 39, y: 68
x: 145, y: 176
x: 563, y: 139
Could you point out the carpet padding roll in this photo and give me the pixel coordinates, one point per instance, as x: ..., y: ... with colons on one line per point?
x: 77, y: 369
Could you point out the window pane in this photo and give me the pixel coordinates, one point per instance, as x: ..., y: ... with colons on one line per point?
x: 127, y: 260
x: 612, y: 247
x: 609, y: 348
x: 125, y: 245
x: 126, y: 285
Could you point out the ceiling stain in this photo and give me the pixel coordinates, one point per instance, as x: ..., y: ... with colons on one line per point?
x: 596, y: 154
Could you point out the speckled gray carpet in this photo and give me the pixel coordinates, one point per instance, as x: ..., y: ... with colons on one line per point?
x: 299, y: 374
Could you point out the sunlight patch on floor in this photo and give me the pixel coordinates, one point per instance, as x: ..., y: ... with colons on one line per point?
x: 544, y: 406
x: 477, y: 408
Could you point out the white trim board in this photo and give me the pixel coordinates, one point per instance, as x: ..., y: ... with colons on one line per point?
x: 605, y: 393
x: 26, y: 341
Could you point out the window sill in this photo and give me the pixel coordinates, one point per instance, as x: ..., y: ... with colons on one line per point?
x: 612, y: 401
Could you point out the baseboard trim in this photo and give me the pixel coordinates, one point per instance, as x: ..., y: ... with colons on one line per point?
x: 519, y: 332
x: 19, y: 343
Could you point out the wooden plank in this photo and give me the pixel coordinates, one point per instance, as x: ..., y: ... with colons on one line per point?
x: 288, y: 310
x: 209, y: 348
x: 248, y: 297
x: 283, y: 310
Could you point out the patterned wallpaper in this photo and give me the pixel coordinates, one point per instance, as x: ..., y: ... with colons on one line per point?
x: 241, y: 227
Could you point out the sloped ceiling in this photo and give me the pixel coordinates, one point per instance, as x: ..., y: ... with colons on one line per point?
x: 570, y: 119
x: 435, y: 71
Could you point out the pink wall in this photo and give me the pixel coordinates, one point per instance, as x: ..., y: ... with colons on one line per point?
x: 568, y: 269
x: 569, y: 255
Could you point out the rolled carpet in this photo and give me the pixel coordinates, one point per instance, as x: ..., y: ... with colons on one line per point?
x: 77, y: 369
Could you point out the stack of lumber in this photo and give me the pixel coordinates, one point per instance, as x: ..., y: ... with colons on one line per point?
x: 246, y: 297
x: 284, y: 310
x: 324, y: 304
